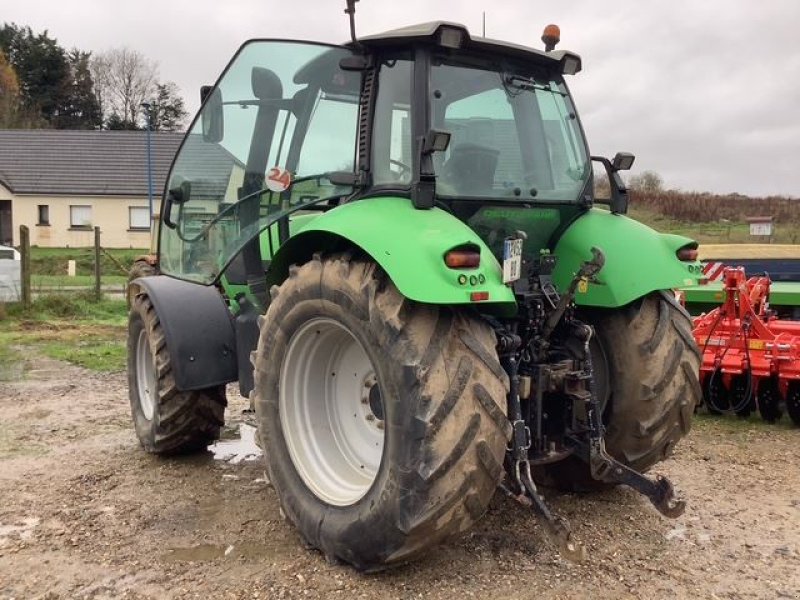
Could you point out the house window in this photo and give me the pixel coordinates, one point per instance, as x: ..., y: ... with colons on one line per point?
x: 139, y: 217
x: 44, y: 215
x: 80, y: 216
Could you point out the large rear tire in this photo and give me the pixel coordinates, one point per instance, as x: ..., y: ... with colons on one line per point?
x: 647, y: 366
x: 141, y: 268
x: 382, y: 419
x: 166, y: 420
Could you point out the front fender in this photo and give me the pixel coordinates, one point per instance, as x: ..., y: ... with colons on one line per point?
x: 409, y: 244
x: 639, y: 260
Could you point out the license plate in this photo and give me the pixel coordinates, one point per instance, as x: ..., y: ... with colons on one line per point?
x: 512, y: 260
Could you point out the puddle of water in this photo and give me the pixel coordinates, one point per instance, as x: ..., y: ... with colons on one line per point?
x: 240, y: 450
x: 204, y: 552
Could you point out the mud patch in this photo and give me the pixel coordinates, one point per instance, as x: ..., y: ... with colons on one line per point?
x: 209, y: 552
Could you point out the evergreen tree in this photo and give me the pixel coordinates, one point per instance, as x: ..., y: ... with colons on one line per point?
x: 9, y: 93
x: 169, y: 112
x: 42, y: 68
x: 116, y: 123
x: 82, y: 110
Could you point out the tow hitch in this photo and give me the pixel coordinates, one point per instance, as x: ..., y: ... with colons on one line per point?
x: 534, y: 344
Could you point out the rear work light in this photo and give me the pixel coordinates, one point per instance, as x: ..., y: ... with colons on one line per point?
x: 687, y: 253
x: 463, y: 258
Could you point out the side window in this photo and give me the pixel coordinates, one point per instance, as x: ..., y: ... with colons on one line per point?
x: 283, y: 116
x: 391, y: 142
x: 329, y: 145
x: 566, y: 154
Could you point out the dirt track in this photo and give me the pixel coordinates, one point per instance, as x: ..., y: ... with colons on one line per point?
x: 84, y: 513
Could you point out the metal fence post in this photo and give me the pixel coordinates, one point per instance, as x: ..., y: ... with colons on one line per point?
x: 25, y: 265
x: 98, y: 290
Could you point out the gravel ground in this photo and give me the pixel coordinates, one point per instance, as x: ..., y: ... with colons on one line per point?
x: 84, y: 513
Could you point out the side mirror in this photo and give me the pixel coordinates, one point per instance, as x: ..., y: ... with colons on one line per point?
x: 618, y: 202
x: 178, y: 194
x: 623, y: 161
x: 212, y: 118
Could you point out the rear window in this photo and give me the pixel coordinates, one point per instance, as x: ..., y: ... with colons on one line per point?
x: 6, y: 253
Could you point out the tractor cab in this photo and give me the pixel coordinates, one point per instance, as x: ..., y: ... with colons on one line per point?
x: 483, y: 129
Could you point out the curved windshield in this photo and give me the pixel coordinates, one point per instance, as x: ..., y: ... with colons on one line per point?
x: 281, y: 119
x: 514, y: 135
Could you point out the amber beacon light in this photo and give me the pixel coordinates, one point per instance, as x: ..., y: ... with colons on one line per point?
x: 551, y: 37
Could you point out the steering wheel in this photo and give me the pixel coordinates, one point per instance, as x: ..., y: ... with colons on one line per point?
x: 402, y: 168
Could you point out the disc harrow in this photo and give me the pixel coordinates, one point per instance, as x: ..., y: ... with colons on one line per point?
x: 751, y: 359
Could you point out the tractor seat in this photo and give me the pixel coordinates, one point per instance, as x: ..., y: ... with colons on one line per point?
x: 470, y: 169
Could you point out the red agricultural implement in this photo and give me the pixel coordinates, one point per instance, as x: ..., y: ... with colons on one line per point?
x: 751, y: 359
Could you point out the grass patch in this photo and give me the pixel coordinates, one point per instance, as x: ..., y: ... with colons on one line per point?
x: 737, y: 427
x: 103, y: 355
x: 53, y: 261
x: 39, y: 282
x: 70, y: 327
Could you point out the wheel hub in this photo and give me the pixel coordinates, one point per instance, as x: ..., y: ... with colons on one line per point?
x: 331, y: 411
x: 146, y: 382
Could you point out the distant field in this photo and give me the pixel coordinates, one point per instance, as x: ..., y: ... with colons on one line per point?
x: 712, y: 219
x: 710, y: 232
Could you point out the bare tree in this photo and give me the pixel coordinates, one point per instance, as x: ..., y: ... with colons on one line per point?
x: 647, y: 181
x: 123, y: 79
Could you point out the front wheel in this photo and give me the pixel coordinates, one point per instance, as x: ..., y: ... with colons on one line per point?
x: 383, y: 419
x: 646, y: 367
x: 167, y: 420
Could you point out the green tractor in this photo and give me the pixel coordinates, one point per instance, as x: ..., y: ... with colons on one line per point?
x: 394, y: 247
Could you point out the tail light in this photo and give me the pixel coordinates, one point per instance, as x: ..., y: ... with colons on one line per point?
x: 464, y: 257
x: 688, y: 253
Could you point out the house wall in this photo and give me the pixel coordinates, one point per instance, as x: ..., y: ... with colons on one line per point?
x: 111, y: 214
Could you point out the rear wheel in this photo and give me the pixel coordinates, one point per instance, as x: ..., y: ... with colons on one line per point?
x: 141, y: 268
x: 383, y: 420
x: 166, y: 420
x: 647, y: 367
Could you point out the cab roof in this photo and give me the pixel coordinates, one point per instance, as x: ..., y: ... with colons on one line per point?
x: 431, y: 33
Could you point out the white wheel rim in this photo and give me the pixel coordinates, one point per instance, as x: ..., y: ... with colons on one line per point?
x: 331, y: 412
x: 146, y: 382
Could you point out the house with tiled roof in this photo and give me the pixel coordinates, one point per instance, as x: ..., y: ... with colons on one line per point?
x: 62, y: 184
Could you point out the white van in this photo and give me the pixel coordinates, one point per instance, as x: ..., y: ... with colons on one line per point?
x: 10, y: 280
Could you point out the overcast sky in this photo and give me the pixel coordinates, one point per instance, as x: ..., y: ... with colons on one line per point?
x: 704, y: 92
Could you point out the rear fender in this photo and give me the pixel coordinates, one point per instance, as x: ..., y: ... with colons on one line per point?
x: 409, y: 244
x: 639, y: 260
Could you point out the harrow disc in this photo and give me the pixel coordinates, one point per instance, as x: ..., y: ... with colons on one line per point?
x: 742, y: 395
x: 715, y: 394
x: 769, y: 399
x: 793, y: 402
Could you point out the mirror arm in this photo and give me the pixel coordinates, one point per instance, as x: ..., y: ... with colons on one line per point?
x: 618, y: 202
